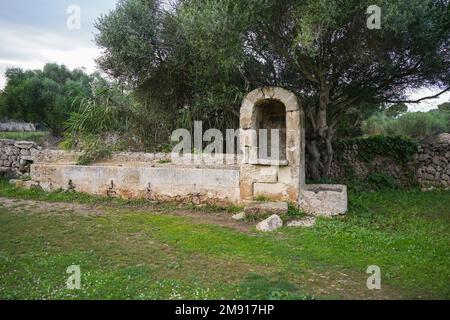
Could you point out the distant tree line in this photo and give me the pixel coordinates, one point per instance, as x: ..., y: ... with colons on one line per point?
x: 44, y: 97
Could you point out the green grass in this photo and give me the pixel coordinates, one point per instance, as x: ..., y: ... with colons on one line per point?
x: 130, y: 253
x: 24, y: 136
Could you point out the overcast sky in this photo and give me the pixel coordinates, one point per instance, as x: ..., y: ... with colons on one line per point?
x: 34, y: 32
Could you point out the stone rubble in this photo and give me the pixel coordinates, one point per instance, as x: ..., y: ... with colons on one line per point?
x: 239, y: 216
x: 270, y: 224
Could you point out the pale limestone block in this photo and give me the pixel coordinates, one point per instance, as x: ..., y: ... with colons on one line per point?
x: 270, y: 224
x: 276, y: 191
x: 323, y: 200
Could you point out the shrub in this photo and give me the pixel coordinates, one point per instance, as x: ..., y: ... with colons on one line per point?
x: 415, y: 125
x: 399, y: 148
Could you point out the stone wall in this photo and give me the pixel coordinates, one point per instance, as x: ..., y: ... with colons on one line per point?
x: 16, y: 156
x: 434, y: 162
x: 430, y: 167
x: 129, y: 158
x: 17, y: 126
x: 153, y: 176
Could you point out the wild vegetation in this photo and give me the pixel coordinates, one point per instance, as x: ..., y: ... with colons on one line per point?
x: 204, y: 55
x: 415, y: 125
x: 45, y: 97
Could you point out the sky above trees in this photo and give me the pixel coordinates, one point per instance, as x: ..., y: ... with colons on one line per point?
x: 34, y: 33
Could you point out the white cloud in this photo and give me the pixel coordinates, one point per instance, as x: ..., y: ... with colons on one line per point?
x: 34, y: 34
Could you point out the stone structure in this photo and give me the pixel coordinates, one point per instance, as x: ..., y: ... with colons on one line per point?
x: 430, y: 167
x: 281, y: 177
x: 16, y: 156
x: 433, y: 169
x: 17, y: 126
x: 278, y: 175
x: 138, y: 175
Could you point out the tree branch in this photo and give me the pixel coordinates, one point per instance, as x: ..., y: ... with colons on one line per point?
x: 421, y: 99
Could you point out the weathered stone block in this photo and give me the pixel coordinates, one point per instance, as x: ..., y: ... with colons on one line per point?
x: 266, y: 208
x: 270, y: 224
x: 274, y: 191
x: 288, y: 175
x: 323, y: 200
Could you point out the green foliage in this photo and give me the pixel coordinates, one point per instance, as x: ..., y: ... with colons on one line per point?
x: 94, y: 150
x: 43, y: 96
x: 396, y: 147
x: 113, y: 120
x: 415, y: 125
x: 396, y: 110
x: 444, y: 106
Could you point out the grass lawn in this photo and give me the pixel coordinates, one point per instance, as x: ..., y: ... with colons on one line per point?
x: 24, y: 136
x: 138, y: 250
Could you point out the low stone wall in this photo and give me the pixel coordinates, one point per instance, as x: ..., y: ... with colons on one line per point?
x: 16, y: 156
x: 430, y: 167
x: 17, y: 126
x: 434, y: 162
x: 163, y: 182
x: 128, y: 158
x: 159, y: 177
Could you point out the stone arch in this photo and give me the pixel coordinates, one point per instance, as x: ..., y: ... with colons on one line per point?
x: 287, y: 172
x: 248, y: 114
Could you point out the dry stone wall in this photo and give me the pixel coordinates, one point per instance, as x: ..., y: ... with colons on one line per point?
x: 430, y: 167
x: 17, y: 126
x: 434, y: 162
x: 16, y: 156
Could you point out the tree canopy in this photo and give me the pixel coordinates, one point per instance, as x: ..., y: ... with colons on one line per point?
x: 198, y: 58
x: 43, y: 96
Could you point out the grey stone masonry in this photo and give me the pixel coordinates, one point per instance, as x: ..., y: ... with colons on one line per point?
x: 434, y: 162
x: 16, y: 156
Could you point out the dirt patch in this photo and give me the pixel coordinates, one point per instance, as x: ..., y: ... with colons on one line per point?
x: 33, y: 206
x: 42, y: 207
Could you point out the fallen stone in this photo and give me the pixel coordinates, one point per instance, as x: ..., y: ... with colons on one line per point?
x: 239, y: 216
x: 17, y: 183
x: 266, y: 208
x: 305, y: 222
x: 33, y: 185
x: 270, y: 224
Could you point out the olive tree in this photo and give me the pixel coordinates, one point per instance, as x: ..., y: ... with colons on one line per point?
x: 204, y: 55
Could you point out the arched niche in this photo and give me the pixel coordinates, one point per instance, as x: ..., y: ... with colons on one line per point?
x: 272, y: 108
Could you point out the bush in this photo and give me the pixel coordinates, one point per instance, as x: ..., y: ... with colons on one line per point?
x: 415, y: 125
x: 399, y: 148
